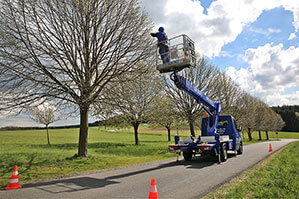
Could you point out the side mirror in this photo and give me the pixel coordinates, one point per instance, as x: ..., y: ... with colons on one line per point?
x: 240, y: 128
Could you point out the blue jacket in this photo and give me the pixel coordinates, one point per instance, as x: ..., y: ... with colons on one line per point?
x: 160, y: 35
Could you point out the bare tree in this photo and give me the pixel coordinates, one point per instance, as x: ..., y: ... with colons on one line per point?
x: 228, y: 94
x: 164, y: 114
x: 131, y: 99
x: 68, y: 51
x: 277, y: 122
x: 204, y: 78
x: 271, y: 121
x: 260, y: 116
x: 245, y: 112
x: 44, y: 115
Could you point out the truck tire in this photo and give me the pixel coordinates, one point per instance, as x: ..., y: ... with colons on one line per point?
x: 240, y: 150
x: 223, y: 152
x: 187, y: 155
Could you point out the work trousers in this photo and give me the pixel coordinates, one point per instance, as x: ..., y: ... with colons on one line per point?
x: 163, y: 50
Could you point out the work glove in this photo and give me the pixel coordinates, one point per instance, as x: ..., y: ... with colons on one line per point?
x: 153, y: 34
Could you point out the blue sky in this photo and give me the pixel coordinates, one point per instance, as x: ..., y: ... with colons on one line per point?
x: 255, y: 42
x: 277, y: 20
x: 206, y: 4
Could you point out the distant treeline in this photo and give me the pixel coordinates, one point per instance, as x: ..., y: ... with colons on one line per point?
x: 12, y: 128
x: 290, y: 115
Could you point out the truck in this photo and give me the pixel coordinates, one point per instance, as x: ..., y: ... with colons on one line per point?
x: 227, y: 139
x: 219, y: 133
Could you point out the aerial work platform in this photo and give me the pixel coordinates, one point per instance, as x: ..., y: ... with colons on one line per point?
x: 181, y: 55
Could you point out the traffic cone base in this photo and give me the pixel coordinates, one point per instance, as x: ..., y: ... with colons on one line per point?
x: 270, y: 148
x: 153, y: 194
x: 13, y: 187
x: 14, y: 181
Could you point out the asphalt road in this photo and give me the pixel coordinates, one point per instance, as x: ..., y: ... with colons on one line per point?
x: 174, y: 179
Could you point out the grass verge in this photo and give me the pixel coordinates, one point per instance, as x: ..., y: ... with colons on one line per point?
x: 275, y: 177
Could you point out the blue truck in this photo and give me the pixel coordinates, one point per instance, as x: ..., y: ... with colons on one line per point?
x: 227, y: 138
x: 219, y: 133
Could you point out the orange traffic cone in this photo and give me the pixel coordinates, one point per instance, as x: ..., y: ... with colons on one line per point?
x: 14, y: 181
x: 270, y: 148
x: 153, y: 194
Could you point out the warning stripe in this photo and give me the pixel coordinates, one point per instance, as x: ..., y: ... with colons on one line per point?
x: 14, y: 177
x: 153, y: 189
x: 14, y: 180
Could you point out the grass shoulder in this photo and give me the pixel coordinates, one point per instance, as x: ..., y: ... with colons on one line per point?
x: 275, y: 177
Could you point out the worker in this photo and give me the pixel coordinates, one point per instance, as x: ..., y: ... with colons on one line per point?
x: 162, y: 44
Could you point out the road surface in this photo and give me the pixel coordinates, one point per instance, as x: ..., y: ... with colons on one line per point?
x: 174, y: 179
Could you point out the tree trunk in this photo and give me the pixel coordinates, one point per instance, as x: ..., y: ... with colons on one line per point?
x: 168, y: 130
x: 136, y: 125
x: 267, y: 135
x: 192, y: 129
x: 48, y: 138
x: 82, y: 151
x: 249, y: 134
x: 260, y: 135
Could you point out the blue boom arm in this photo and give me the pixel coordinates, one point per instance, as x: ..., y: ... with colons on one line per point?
x: 212, y: 108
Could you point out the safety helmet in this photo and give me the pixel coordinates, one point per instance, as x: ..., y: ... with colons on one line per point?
x: 161, y: 29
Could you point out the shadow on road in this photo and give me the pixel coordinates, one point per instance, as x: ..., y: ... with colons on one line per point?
x: 196, y: 163
x: 84, y: 183
x: 199, y: 162
x: 70, y: 185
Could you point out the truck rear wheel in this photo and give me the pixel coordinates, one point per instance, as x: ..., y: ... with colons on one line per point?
x: 187, y: 155
x: 223, y: 152
x: 240, y: 150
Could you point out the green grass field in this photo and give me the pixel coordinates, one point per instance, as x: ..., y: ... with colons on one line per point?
x: 37, y: 160
x: 106, y: 149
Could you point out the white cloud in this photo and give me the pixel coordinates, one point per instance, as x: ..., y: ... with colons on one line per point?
x: 272, y: 70
x: 287, y: 99
x: 4, y: 114
x: 266, y: 32
x: 24, y: 120
x: 223, y: 23
x: 294, y: 8
x: 273, y: 30
x: 17, y: 120
x: 292, y: 36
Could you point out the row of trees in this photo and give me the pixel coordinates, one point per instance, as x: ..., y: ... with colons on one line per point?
x: 154, y: 98
x: 98, y: 55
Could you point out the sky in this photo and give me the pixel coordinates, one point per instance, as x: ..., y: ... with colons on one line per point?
x: 255, y: 42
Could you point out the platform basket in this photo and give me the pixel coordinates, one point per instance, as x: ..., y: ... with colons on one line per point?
x: 181, y: 54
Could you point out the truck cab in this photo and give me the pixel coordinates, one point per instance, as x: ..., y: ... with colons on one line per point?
x: 226, y: 126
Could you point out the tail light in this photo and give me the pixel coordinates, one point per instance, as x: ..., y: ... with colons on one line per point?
x: 174, y: 147
x: 204, y: 148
